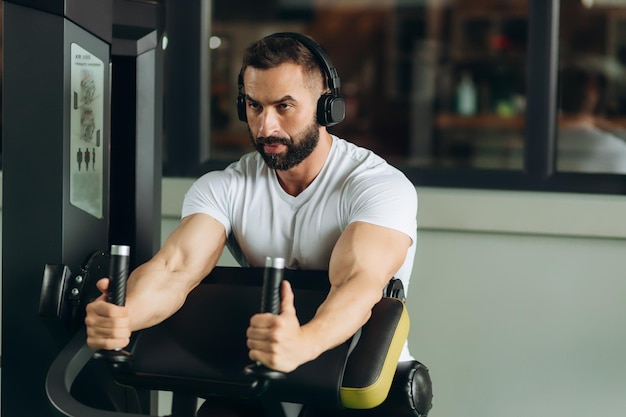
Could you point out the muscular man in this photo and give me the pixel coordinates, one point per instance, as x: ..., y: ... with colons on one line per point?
x: 305, y: 195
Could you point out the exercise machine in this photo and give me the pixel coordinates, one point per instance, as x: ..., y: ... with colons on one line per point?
x: 200, y: 352
x: 64, y: 173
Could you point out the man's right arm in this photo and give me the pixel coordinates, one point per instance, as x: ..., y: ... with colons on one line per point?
x: 158, y: 288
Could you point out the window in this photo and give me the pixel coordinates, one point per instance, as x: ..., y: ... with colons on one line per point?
x: 592, y: 91
x: 461, y: 93
x: 427, y: 84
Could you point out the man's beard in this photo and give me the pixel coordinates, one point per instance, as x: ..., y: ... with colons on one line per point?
x: 298, y: 147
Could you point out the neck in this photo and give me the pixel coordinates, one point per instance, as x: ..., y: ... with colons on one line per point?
x: 297, y: 179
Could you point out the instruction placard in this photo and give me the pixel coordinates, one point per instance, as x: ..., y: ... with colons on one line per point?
x: 86, y: 127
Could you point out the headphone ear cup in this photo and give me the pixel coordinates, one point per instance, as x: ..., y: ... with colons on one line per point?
x: 331, y: 109
x: 241, y: 108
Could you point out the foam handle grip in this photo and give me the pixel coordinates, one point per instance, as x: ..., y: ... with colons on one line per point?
x: 272, y: 277
x: 118, y: 274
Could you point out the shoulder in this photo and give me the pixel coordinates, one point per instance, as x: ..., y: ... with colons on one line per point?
x: 616, y: 142
x: 375, y: 192
x: 247, y: 166
x: 354, y: 154
x: 235, y: 175
x: 589, y: 137
x: 368, y: 169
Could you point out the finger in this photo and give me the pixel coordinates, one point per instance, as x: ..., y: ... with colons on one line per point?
x: 113, y: 330
x: 254, y: 333
x: 103, y: 285
x: 259, y: 345
x: 269, y: 359
x: 287, y: 301
x: 256, y: 355
x: 261, y: 353
x: 263, y: 327
x: 100, y: 308
x: 119, y: 331
x: 108, y: 334
x: 102, y: 328
x: 103, y: 343
x: 262, y: 320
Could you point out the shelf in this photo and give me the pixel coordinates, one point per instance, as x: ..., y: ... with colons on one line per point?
x: 479, y: 121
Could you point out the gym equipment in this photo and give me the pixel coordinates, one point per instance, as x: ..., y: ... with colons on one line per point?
x: 270, y: 303
x: 116, y: 294
x: 81, y: 168
x: 193, y: 357
x: 52, y: 212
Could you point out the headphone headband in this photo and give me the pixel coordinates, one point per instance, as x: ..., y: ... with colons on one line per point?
x: 320, y: 54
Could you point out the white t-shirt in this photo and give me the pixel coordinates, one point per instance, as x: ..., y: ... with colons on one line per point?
x: 262, y: 220
x: 585, y: 148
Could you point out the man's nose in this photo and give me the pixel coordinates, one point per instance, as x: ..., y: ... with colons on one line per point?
x: 270, y: 124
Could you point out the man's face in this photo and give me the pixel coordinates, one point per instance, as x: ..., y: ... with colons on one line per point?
x: 298, y: 147
x: 281, y: 113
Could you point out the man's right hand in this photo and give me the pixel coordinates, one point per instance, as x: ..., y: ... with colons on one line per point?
x: 108, y: 325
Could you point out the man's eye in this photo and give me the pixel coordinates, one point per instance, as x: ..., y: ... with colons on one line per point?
x: 253, y: 105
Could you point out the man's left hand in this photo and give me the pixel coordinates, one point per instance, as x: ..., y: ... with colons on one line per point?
x: 277, y: 340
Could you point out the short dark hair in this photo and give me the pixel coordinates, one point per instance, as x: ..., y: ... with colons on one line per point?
x: 273, y: 51
x: 576, y: 86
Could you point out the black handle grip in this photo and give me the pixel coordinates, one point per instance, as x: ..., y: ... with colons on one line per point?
x: 118, y: 274
x: 272, y: 277
x: 270, y: 303
x: 116, y: 294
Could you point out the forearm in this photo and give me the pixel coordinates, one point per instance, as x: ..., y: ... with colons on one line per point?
x: 341, y: 315
x: 153, y: 295
x: 158, y: 288
x: 363, y: 260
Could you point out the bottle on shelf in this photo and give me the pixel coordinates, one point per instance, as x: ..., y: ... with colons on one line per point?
x: 466, y: 95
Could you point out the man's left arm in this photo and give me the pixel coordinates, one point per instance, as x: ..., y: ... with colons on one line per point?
x: 363, y: 260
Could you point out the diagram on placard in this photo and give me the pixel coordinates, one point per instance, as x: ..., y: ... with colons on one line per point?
x: 86, y: 122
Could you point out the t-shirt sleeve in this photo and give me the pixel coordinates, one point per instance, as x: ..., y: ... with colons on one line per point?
x: 388, y: 200
x: 209, y: 195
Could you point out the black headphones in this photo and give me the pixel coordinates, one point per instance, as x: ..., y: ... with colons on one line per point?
x: 331, y: 107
